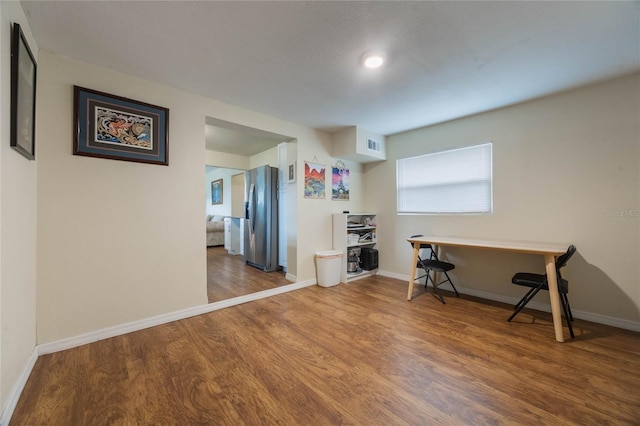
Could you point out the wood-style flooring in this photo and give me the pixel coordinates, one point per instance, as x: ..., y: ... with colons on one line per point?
x: 353, y: 354
x: 228, y: 276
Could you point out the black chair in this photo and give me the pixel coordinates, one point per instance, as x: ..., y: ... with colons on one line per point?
x: 538, y: 282
x: 436, y: 265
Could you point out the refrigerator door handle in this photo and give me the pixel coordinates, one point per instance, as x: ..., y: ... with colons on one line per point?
x: 252, y: 209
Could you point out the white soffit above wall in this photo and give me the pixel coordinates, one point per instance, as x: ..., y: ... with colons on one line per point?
x: 232, y: 138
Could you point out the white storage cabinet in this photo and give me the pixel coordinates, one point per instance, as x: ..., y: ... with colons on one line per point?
x: 354, y: 230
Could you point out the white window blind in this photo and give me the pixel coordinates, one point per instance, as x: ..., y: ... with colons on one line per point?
x: 447, y: 182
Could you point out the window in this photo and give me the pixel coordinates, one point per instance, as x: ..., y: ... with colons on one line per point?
x: 447, y: 182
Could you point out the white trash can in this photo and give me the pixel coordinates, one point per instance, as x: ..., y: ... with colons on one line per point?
x: 328, y: 264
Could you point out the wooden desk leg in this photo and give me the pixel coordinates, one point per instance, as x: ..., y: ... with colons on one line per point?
x: 554, y: 296
x: 416, y: 252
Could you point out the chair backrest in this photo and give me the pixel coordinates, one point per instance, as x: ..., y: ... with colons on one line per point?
x: 563, y: 259
x: 422, y: 246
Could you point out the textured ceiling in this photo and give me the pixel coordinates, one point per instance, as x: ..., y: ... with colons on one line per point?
x: 300, y: 60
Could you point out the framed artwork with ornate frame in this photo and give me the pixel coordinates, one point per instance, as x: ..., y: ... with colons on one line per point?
x: 109, y: 126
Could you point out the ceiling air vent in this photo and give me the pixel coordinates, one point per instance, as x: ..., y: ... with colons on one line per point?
x: 374, y: 145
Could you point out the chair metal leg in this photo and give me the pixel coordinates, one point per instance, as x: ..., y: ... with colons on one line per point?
x: 426, y: 282
x: 567, y: 316
x: 530, y: 295
x: 435, y: 289
x: 566, y: 300
x: 433, y: 256
x: 451, y: 282
x: 524, y: 298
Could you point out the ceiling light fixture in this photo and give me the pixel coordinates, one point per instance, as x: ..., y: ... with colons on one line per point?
x: 373, y: 60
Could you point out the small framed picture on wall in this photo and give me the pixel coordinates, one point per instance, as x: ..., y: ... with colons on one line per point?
x: 216, y: 192
x: 291, y: 173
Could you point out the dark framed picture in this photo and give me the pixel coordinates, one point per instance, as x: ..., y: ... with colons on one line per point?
x: 23, y: 95
x: 291, y: 176
x: 109, y: 126
x: 216, y: 191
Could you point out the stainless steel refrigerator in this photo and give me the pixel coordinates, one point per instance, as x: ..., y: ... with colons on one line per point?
x: 261, y: 218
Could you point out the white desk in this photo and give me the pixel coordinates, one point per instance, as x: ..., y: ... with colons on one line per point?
x: 548, y: 250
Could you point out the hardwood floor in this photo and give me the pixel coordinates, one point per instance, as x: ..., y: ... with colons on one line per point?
x: 228, y: 276
x: 356, y: 353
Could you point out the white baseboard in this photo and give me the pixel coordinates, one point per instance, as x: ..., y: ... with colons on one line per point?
x: 118, y: 330
x: 290, y: 277
x: 388, y: 274
x: 16, y: 391
x: 545, y: 307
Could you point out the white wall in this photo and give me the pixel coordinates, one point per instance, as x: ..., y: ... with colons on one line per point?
x: 17, y: 224
x: 117, y: 241
x: 222, y: 159
x: 121, y: 241
x: 562, y: 165
x: 315, y: 226
x: 3, y: 140
x: 223, y: 209
x: 291, y: 203
x: 267, y: 157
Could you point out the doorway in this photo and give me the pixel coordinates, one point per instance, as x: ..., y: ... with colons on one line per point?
x: 230, y: 150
